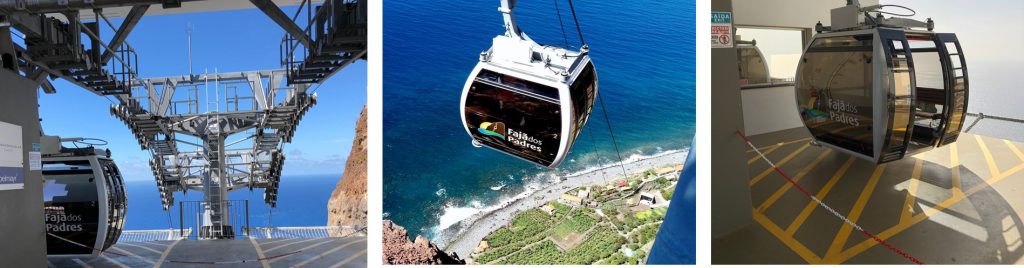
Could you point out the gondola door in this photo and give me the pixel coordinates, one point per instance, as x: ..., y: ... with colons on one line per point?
x: 73, y: 198
x: 899, y: 80
x: 955, y: 75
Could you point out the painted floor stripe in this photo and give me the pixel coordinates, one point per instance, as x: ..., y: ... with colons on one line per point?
x: 115, y: 262
x: 992, y: 168
x: 795, y: 225
x: 167, y: 251
x: 766, y: 152
x: 908, y: 202
x: 785, y: 187
x: 259, y: 253
x: 858, y: 207
x: 289, y: 244
x: 349, y: 259
x: 140, y: 246
x: 133, y: 255
x: 82, y: 263
x: 321, y: 255
x: 304, y: 249
x: 780, y: 163
x: 279, y: 240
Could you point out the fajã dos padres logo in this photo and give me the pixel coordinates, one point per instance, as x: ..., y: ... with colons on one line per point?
x: 518, y: 138
x: 492, y: 129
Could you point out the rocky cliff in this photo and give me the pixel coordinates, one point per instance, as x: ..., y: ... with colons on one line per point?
x: 399, y: 250
x: 347, y: 206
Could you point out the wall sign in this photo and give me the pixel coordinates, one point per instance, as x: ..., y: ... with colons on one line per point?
x: 721, y: 30
x: 12, y: 157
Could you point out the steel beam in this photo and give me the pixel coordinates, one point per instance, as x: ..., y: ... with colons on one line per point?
x: 50, y: 6
x: 126, y: 28
x: 275, y: 13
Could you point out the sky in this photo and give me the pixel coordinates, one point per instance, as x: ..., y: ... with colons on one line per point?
x: 240, y: 40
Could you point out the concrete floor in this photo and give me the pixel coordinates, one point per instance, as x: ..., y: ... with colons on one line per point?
x: 298, y: 252
x: 958, y: 204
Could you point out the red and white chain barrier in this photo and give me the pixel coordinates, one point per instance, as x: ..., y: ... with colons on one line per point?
x: 822, y: 204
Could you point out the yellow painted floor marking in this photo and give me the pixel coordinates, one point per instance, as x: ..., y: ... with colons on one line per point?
x: 769, y: 170
x: 1014, y: 149
x: 858, y: 207
x: 992, y: 168
x: 140, y: 246
x: 758, y: 157
x: 794, y: 245
x: 954, y: 162
x: 134, y: 255
x: 279, y: 240
x: 892, y: 231
x: 115, y: 262
x: 289, y: 244
x: 349, y: 259
x: 82, y: 263
x: 821, y: 196
x: 167, y: 251
x: 304, y: 249
x: 259, y: 253
x: 762, y: 148
x: 321, y: 255
x: 911, y: 197
x: 785, y: 187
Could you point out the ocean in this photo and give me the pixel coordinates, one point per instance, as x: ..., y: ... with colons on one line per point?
x: 301, y: 201
x: 433, y: 176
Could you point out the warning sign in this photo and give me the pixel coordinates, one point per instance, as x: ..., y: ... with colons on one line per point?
x: 721, y: 30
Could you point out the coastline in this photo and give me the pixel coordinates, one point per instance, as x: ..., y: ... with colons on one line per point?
x: 485, y: 223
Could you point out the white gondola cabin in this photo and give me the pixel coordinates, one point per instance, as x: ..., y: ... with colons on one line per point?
x: 881, y: 90
x: 528, y: 100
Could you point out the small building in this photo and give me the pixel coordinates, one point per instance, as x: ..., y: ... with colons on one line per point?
x: 647, y: 199
x: 548, y: 208
x: 571, y: 200
x: 583, y: 194
x: 482, y: 247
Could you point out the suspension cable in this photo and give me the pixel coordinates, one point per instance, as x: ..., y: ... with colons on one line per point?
x: 558, y: 11
x: 612, y: 133
x: 571, y: 8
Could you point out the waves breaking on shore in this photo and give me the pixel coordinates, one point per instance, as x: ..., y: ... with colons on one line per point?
x: 456, y: 217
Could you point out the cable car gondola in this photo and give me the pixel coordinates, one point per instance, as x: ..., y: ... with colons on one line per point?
x: 526, y: 99
x: 753, y: 67
x: 83, y: 197
x: 881, y: 88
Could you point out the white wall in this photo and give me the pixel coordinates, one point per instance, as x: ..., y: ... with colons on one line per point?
x: 784, y: 13
x: 769, y: 109
x: 773, y: 109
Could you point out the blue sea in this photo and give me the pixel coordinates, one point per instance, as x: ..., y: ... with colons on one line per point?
x: 433, y: 177
x: 301, y: 201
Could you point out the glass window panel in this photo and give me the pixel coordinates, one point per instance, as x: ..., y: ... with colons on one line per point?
x: 514, y: 121
x: 835, y: 93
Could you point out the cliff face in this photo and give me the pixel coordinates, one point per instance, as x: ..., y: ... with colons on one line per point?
x: 347, y: 206
x: 399, y: 250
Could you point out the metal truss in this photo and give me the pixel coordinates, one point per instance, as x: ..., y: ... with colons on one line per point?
x: 190, y: 148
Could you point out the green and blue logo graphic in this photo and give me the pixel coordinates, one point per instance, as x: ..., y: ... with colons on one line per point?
x: 492, y: 129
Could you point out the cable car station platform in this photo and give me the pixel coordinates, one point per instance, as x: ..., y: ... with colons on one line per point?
x: 250, y: 252
x: 955, y: 204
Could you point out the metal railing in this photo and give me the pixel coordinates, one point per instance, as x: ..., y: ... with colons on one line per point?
x: 154, y: 235
x: 306, y: 232
x: 233, y: 224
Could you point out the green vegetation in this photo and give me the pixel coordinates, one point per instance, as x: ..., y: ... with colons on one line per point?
x: 644, y: 234
x: 577, y: 222
x: 667, y: 193
x: 526, y: 224
x: 658, y: 213
x: 536, y: 237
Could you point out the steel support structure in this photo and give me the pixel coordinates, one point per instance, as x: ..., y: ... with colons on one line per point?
x: 263, y: 118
